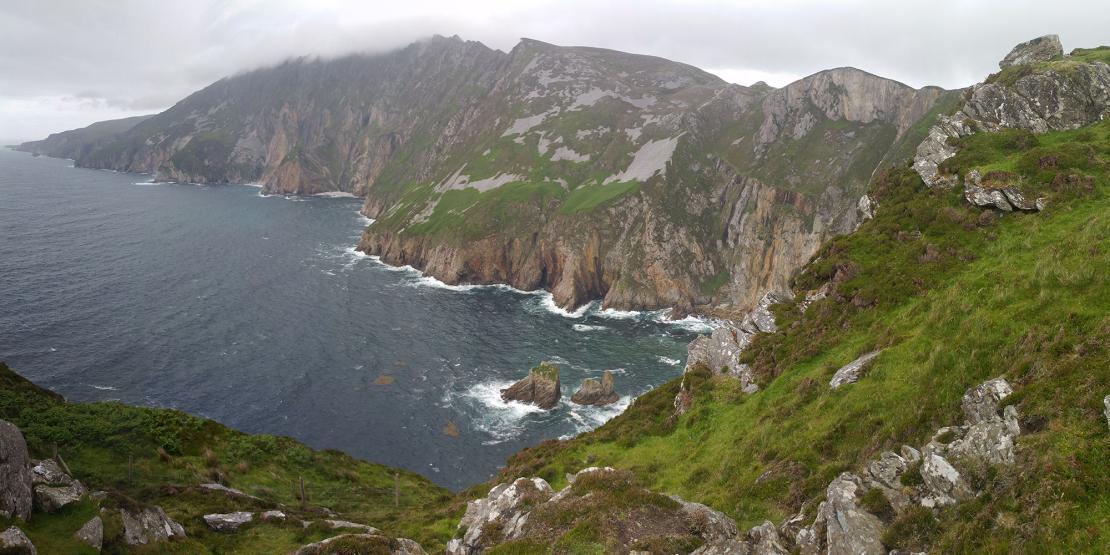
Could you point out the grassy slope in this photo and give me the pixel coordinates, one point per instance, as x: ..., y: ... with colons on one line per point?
x: 973, y: 297
x: 172, y: 450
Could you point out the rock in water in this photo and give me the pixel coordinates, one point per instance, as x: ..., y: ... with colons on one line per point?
x: 1040, y: 49
x: 149, y: 525
x: 540, y: 388
x: 227, y: 522
x: 14, y: 541
x: 594, y: 392
x: 15, y: 473
x: 92, y: 533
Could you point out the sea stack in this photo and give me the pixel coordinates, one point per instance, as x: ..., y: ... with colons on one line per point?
x: 540, y: 388
x: 594, y: 392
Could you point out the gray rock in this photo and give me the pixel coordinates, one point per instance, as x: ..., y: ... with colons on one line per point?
x: 148, y: 526
x: 888, y: 469
x: 814, y: 296
x: 946, y: 485
x: 1106, y: 411
x: 49, y: 472
x: 92, y: 533
x: 866, y: 208
x: 595, y: 392
x: 273, y: 516
x: 1017, y: 199
x: 224, y: 489
x: 765, y: 540
x: 849, y: 529
x: 15, y: 473
x: 338, y: 524
x: 851, y: 372
x: 52, y: 498
x: 720, y: 351
x: 541, y: 387
x: 227, y: 522
x: 1040, y: 49
x: 13, y: 541
x: 760, y: 319
x: 507, y: 505
x: 715, y: 526
x: 990, y: 441
x: 976, y: 194
x: 910, y: 454
x: 935, y: 149
x: 399, y: 546
x: 981, y: 403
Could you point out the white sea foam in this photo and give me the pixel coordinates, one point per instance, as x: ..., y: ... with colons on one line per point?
x: 335, y: 194
x: 668, y: 360
x: 364, y: 220
x: 499, y: 418
x: 585, y: 327
x: 547, y: 302
x: 586, y: 417
x: 103, y: 387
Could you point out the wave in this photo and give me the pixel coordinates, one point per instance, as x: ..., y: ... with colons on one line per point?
x: 335, y: 194
x: 669, y: 361
x: 103, y: 387
x: 585, y: 327
x: 502, y: 420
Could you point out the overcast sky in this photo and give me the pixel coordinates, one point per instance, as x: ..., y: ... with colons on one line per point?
x: 65, y: 64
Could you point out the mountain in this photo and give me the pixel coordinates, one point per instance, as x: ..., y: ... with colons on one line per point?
x: 593, y: 173
x: 77, y: 143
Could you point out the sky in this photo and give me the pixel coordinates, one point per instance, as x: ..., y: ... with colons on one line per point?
x: 66, y: 64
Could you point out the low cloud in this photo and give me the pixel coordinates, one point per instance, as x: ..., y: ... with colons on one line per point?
x: 134, y: 56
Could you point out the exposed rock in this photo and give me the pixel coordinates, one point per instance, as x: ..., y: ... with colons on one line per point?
x: 866, y: 208
x: 224, y: 489
x: 52, y: 498
x: 765, y: 540
x: 888, y: 468
x: 362, y: 543
x: 976, y: 194
x: 540, y: 388
x: 761, y: 319
x: 149, y: 525
x: 92, y: 533
x: 1040, y: 49
x: 720, y: 350
x: 15, y: 473
x: 1106, y: 411
x: 338, y: 524
x: 814, y: 296
x: 936, y: 149
x: 48, y: 472
x: 982, y: 403
x: 273, y: 516
x: 13, y: 541
x: 506, y: 505
x: 228, y: 522
x: 714, y: 526
x: 851, y: 372
x: 991, y: 441
x: 849, y: 529
x: 594, y: 392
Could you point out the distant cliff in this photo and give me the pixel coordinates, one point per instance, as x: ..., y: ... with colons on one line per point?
x: 593, y: 173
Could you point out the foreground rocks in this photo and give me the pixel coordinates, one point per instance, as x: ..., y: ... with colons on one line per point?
x: 362, y: 543
x: 540, y: 388
x: 14, y: 542
x: 228, y: 522
x: 1040, y: 49
x: 92, y: 533
x: 595, y: 392
x: 149, y: 525
x: 15, y: 473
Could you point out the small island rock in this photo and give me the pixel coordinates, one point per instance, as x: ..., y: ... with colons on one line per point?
x: 594, y: 392
x: 540, y: 388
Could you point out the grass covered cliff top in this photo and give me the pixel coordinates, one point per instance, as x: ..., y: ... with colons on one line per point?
x: 953, y: 295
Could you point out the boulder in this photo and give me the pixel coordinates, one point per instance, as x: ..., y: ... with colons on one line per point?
x: 946, y: 485
x: 1040, y: 49
x: 765, y: 540
x: 273, y: 516
x: 48, y: 472
x: 866, y: 208
x: 540, y: 388
x: 339, y: 524
x: 851, y: 372
x: 505, y: 507
x: 1106, y: 411
x: 13, y: 541
x: 594, y: 392
x: 982, y: 402
x: 888, y: 469
x: 227, y: 522
x: 92, y: 533
x: 149, y: 525
x: 229, y: 491
x: 936, y: 149
x: 15, y: 473
x: 989, y: 441
x: 52, y: 498
x: 849, y: 529
x: 362, y: 543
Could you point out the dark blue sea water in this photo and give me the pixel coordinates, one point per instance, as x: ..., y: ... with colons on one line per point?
x: 257, y: 312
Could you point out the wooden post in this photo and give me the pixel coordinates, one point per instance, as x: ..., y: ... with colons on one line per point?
x: 304, y: 498
x: 61, y: 461
x: 396, y: 489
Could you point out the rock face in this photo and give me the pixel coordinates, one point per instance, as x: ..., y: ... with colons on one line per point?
x: 842, y: 526
x: 851, y: 372
x: 594, y: 174
x: 362, y: 543
x: 15, y: 473
x: 540, y: 388
x: 1053, y: 96
x: 227, y: 522
x: 92, y: 533
x: 50, y: 473
x: 594, y: 392
x: 51, y: 498
x: 15, y: 542
x: 149, y: 525
x: 1040, y: 49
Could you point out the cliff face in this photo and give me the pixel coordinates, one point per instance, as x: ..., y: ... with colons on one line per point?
x: 593, y: 173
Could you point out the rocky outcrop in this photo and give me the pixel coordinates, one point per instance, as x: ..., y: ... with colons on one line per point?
x: 49, y: 472
x: 13, y: 541
x: 15, y: 473
x: 541, y: 388
x: 149, y: 525
x: 52, y: 498
x: 595, y: 392
x: 362, y: 543
x: 92, y: 533
x: 843, y: 527
x: 505, y: 508
x: 1051, y: 96
x: 1006, y: 199
x: 851, y: 372
x: 1106, y: 411
x: 1040, y: 49
x: 228, y: 522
